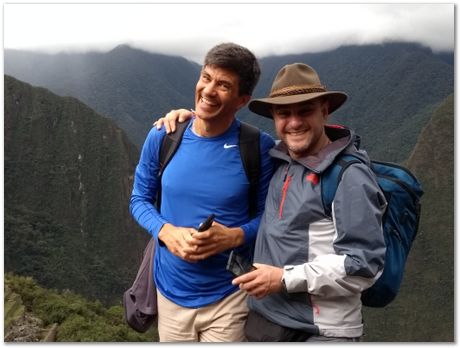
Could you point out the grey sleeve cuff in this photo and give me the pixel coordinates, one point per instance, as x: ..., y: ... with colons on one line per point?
x: 295, y: 279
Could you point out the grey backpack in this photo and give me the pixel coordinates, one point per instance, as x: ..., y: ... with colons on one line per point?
x: 140, y: 300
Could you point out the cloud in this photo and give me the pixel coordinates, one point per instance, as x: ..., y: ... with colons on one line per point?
x: 191, y: 29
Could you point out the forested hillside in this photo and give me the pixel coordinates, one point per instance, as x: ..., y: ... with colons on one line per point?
x: 424, y: 309
x: 68, y: 179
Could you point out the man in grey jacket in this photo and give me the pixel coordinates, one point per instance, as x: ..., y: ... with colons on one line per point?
x: 311, y: 268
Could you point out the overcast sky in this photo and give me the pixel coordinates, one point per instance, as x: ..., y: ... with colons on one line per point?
x: 190, y: 29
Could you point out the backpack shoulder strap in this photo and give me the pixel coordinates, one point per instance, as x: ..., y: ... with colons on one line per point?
x: 170, y: 144
x: 168, y: 148
x: 331, y: 178
x: 250, y: 156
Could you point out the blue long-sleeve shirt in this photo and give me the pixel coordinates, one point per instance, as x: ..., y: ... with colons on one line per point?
x: 205, y: 176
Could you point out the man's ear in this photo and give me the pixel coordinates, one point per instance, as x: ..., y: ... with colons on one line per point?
x: 244, y: 99
x: 325, y: 108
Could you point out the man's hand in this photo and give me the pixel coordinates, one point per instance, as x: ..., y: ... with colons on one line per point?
x: 177, y: 240
x: 171, y: 118
x: 261, y: 282
x: 215, y: 240
x: 192, y: 246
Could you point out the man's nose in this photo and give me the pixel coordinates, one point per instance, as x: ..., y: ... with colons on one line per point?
x: 210, y: 88
x: 295, y: 120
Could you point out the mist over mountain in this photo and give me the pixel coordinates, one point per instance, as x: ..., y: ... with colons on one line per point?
x: 68, y: 179
x: 131, y: 86
x: 393, y: 88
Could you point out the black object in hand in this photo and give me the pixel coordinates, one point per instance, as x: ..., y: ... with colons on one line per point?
x: 206, y: 223
x: 238, y: 265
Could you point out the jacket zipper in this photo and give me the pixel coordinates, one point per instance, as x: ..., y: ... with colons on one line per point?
x: 287, y: 181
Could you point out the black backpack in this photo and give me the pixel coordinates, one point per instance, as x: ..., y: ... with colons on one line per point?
x: 249, y: 139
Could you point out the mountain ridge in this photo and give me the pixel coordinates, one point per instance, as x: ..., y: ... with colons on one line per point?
x: 393, y: 88
x: 127, y: 85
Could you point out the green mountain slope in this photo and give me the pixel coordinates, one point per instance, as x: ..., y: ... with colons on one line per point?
x: 424, y: 309
x: 62, y: 316
x: 68, y: 179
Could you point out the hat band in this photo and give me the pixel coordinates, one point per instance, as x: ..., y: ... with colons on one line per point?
x: 293, y: 90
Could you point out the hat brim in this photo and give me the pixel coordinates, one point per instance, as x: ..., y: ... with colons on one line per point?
x: 263, y: 106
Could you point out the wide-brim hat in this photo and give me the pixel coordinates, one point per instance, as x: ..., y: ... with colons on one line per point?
x: 296, y: 83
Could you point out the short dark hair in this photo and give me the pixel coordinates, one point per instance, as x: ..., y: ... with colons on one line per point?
x: 238, y: 59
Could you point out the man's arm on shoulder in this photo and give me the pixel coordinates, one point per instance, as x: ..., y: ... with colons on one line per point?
x: 171, y: 118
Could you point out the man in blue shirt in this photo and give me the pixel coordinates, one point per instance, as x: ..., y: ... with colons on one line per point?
x: 196, y: 299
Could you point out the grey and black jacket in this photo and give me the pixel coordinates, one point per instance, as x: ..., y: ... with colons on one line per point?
x: 327, y: 261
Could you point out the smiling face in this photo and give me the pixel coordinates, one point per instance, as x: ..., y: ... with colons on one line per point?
x: 301, y: 126
x: 217, y: 95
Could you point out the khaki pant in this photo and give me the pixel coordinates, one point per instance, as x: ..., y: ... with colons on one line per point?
x: 219, y: 322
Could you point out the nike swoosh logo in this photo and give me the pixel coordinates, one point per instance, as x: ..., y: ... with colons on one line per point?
x: 227, y: 146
